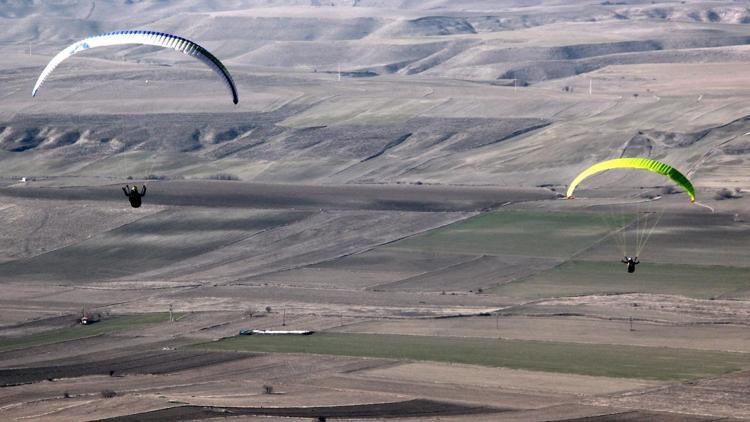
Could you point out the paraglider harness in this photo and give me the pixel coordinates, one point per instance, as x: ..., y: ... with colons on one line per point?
x: 631, y: 262
x: 133, y: 195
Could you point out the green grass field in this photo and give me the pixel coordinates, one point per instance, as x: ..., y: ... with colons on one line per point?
x: 577, y: 278
x: 110, y: 325
x: 514, y: 233
x: 576, y: 358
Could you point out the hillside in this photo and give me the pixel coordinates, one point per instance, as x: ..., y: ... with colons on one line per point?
x: 486, y: 93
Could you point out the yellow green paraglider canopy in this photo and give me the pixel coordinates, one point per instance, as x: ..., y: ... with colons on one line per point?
x: 635, y: 163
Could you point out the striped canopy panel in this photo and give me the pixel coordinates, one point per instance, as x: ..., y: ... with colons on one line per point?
x: 158, y: 39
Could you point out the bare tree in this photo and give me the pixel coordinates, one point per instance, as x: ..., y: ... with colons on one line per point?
x: 250, y: 311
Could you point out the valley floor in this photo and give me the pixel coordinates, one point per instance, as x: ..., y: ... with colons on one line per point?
x: 509, y: 305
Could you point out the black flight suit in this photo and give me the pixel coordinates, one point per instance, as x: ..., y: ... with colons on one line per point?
x: 133, y: 195
x: 632, y: 262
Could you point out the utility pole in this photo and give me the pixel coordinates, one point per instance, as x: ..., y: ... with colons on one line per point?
x: 283, y: 318
x: 631, y: 324
x: 171, y: 317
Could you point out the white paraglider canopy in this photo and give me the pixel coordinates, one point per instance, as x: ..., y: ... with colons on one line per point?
x: 158, y: 39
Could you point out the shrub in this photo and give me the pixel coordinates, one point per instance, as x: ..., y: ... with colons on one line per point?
x: 108, y: 394
x: 267, y: 389
x: 668, y: 190
x: 223, y: 176
x: 725, y: 193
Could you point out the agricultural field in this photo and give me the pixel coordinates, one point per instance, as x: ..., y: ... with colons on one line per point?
x: 409, y: 301
x: 579, y: 278
x: 526, y: 233
x: 107, y: 326
x: 576, y: 323
x: 663, y: 364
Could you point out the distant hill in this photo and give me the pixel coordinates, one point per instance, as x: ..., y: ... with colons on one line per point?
x: 381, y: 91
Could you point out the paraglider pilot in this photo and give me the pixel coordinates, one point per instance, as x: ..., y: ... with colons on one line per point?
x: 631, y: 262
x: 133, y: 195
